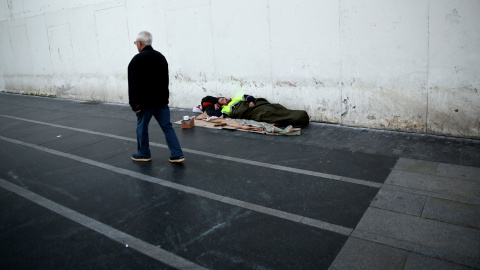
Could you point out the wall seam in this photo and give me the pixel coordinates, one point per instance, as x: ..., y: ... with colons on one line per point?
x: 166, y: 38
x: 340, y: 58
x: 126, y: 19
x: 71, y: 46
x: 428, y: 65
x: 270, y: 43
x: 213, y: 50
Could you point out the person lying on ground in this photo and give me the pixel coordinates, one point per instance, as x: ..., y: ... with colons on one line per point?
x: 258, y: 109
x: 212, y: 106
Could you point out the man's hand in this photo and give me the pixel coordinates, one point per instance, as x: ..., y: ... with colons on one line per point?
x: 137, y: 111
x: 217, y: 106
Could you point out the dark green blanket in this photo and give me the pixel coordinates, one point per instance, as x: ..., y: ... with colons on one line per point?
x: 264, y: 111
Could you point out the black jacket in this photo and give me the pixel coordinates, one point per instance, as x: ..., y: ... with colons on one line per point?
x: 208, y: 105
x: 148, y: 80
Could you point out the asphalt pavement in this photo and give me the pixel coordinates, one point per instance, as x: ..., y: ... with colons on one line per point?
x: 332, y: 198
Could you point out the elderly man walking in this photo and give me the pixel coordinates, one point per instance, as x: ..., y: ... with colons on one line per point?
x: 148, y: 96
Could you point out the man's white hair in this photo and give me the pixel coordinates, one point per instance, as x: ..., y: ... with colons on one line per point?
x: 145, y: 38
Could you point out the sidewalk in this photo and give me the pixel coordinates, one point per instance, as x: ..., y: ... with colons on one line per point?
x: 333, y: 198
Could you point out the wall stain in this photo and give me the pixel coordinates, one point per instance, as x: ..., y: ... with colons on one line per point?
x: 184, y: 78
x: 258, y: 85
x: 242, y: 82
x: 402, y: 125
x: 345, y: 102
x: 318, y: 82
x: 10, y: 5
x: 286, y: 83
x: 453, y: 17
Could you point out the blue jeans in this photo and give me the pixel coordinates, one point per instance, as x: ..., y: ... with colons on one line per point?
x: 162, y: 115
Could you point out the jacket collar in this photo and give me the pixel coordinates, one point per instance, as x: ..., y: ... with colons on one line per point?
x: 147, y: 48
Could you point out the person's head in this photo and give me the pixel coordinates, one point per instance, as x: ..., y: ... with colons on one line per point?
x: 144, y: 38
x: 223, y: 101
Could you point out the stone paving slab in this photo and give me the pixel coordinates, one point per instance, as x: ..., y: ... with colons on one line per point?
x: 438, y: 169
x: 460, y: 172
x: 462, y: 214
x: 429, y: 233
x: 399, y: 201
x: 417, y: 166
x: 362, y: 254
x: 435, y: 184
x: 416, y: 248
x: 418, y: 261
x: 425, y: 216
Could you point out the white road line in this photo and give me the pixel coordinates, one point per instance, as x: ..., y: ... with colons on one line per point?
x: 234, y: 159
x: 112, y: 233
x: 220, y: 198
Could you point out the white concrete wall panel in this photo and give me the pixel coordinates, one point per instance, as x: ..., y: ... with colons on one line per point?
x: 88, y: 80
x: 190, y: 55
x: 39, y: 45
x: 3, y: 10
x: 86, y: 53
x: 113, y: 40
x: 409, y: 65
x: 241, y: 44
x: 34, y: 8
x: 454, y: 98
x: 15, y: 9
x: 61, y: 51
x: 147, y: 15
x: 384, y: 63
x: 305, y: 53
x: 20, y: 69
x: 115, y: 53
x: 61, y: 55
x: 185, y: 4
x: 6, y: 58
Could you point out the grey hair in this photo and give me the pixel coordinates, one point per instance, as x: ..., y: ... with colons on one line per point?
x: 145, y: 38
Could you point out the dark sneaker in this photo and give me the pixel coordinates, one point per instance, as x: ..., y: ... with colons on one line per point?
x: 137, y: 157
x: 177, y: 159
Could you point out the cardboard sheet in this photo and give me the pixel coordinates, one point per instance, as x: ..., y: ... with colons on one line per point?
x: 243, y: 125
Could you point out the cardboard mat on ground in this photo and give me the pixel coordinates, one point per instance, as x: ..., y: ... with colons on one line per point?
x: 204, y: 120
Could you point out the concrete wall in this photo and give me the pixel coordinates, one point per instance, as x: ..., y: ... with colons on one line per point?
x: 409, y: 65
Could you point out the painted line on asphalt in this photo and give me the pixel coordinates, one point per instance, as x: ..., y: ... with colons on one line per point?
x: 234, y: 159
x: 112, y: 233
x: 191, y: 190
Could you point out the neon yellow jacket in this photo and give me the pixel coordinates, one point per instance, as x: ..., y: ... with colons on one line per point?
x: 228, y: 108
